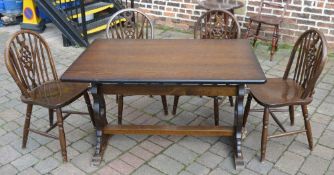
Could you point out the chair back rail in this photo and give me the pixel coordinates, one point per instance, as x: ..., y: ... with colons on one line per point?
x: 129, y: 24
x: 274, y: 5
x: 29, y: 61
x: 217, y: 24
x: 307, y: 60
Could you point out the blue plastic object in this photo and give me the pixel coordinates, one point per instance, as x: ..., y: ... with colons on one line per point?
x: 12, y: 6
x: 2, y: 6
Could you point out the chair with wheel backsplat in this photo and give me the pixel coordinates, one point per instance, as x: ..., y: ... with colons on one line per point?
x: 31, y: 65
x: 304, y: 67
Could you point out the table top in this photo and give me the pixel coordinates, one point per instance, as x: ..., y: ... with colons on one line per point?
x: 173, y: 61
x: 221, y: 4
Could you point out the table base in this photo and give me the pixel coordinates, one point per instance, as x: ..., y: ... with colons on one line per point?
x: 104, y: 131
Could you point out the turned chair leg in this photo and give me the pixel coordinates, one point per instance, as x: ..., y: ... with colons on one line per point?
x: 230, y: 99
x: 264, y: 133
x: 274, y: 43
x: 164, y: 104
x: 62, y: 139
x: 216, y: 110
x: 176, y: 101
x: 292, y: 114
x: 247, y: 109
x: 26, y: 125
x: 257, y: 33
x: 89, y: 107
x: 51, y: 117
x: 120, y: 108
x: 307, y: 126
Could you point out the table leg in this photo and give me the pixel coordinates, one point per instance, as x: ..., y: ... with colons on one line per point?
x: 239, y: 113
x: 100, y: 121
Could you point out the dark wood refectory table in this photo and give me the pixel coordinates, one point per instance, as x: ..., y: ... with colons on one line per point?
x: 167, y: 67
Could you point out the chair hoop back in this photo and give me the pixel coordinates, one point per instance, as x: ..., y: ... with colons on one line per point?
x: 29, y: 61
x: 217, y: 24
x: 307, y: 60
x: 129, y: 24
x: 274, y: 5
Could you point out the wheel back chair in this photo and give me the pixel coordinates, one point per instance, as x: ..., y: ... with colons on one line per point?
x: 31, y: 65
x: 130, y: 24
x: 215, y: 24
x: 274, y: 21
x: 304, y: 67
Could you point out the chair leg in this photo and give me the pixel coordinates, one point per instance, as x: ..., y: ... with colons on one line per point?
x: 89, y: 107
x: 249, y: 28
x: 274, y: 43
x: 26, y: 125
x: 120, y: 109
x: 257, y: 33
x: 230, y: 99
x: 307, y: 126
x: 264, y: 133
x: 176, y: 101
x: 164, y: 104
x: 292, y: 114
x: 216, y: 110
x: 51, y: 117
x: 62, y: 139
x: 247, y: 108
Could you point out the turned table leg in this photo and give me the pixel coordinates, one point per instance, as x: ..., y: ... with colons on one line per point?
x: 100, y: 122
x: 238, y: 120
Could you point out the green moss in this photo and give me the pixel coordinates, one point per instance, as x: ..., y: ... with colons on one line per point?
x: 331, y: 56
x: 167, y: 28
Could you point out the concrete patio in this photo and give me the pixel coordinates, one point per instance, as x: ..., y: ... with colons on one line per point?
x: 155, y: 155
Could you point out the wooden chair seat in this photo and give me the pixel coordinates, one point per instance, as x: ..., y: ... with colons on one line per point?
x: 278, y: 92
x: 55, y: 94
x: 269, y: 20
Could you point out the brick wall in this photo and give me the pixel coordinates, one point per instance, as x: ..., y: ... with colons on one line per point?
x: 300, y: 15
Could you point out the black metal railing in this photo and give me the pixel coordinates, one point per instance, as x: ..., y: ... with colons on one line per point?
x: 70, y: 17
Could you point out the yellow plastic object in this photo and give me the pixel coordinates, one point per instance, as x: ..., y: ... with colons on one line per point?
x: 31, y: 19
x: 64, y: 1
x: 104, y: 26
x: 93, y: 11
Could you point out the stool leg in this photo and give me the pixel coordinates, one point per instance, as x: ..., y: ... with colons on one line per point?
x: 264, y: 133
x: 26, y: 126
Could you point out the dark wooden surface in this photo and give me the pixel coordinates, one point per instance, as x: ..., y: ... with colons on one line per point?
x: 174, y: 67
x: 167, y: 61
